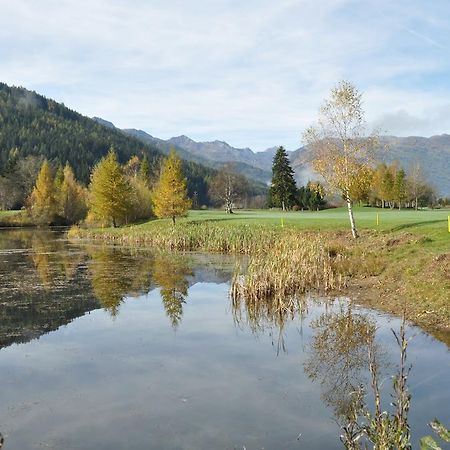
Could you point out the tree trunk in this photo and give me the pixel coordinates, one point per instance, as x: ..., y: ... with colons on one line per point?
x: 114, y: 222
x: 173, y: 220
x: 282, y: 206
x: 352, y: 219
x: 416, y: 204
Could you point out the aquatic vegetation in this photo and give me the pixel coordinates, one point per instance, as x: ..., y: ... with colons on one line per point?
x: 293, y: 265
x: 189, y: 236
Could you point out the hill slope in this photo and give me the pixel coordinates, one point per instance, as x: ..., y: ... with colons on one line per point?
x: 34, y: 125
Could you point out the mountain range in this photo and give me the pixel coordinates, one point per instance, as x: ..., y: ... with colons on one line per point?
x: 432, y: 153
x: 33, y: 126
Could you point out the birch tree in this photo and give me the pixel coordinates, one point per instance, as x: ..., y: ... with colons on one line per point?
x: 227, y: 187
x: 341, y: 150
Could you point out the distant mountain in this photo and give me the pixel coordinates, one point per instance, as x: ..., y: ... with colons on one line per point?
x: 433, y: 154
x: 213, y: 154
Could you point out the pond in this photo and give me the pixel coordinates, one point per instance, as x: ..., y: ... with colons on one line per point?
x: 104, y: 347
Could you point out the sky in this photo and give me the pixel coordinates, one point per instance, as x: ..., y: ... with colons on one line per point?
x: 252, y: 73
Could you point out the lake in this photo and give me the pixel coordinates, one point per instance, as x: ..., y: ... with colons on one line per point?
x: 106, y: 347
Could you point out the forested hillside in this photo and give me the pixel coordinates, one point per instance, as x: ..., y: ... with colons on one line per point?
x: 33, y: 127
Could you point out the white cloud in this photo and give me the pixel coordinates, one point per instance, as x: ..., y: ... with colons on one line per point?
x: 251, y: 73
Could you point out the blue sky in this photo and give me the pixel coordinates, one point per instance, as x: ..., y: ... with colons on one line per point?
x: 252, y: 73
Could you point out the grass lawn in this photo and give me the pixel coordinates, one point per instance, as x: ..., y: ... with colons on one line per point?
x: 337, y: 218
x: 14, y: 218
x: 431, y: 224
x: 8, y: 213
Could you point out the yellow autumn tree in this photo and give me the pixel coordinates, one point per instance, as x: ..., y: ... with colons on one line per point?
x: 43, y: 199
x: 170, y: 194
x: 110, y: 191
x: 72, y: 198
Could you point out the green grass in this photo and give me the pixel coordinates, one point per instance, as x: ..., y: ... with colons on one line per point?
x: 429, y: 223
x: 330, y: 218
x: 15, y: 219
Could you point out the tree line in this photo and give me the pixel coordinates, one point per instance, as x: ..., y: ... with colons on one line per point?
x: 120, y: 194
x: 34, y: 128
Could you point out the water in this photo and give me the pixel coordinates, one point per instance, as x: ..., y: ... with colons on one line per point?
x: 104, y: 347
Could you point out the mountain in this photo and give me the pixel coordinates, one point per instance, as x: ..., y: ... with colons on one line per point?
x: 213, y: 154
x: 32, y: 125
x: 433, y: 155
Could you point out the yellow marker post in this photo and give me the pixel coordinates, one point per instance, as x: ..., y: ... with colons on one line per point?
x: 378, y: 219
x: 282, y: 222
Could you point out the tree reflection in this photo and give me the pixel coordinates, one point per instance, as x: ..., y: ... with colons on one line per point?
x: 170, y: 273
x: 114, y: 275
x: 339, y: 358
x: 52, y: 259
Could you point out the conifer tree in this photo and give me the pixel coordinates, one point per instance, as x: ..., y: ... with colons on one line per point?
x: 170, y: 195
x: 283, y: 190
x: 72, y: 198
x: 43, y: 199
x: 110, y: 192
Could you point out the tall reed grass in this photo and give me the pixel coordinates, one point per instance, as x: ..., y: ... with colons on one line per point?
x: 295, y: 263
x: 189, y: 236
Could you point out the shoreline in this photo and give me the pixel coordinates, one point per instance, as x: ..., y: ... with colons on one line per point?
x: 393, y: 271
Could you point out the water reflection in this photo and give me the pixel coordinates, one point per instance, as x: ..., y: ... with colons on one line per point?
x: 268, y: 315
x: 170, y: 274
x: 133, y: 383
x: 338, y: 358
x: 46, y: 282
x: 42, y: 285
x: 53, y: 263
x: 115, y: 274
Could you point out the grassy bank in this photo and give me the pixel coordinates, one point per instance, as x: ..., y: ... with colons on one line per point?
x: 15, y: 219
x: 401, y: 265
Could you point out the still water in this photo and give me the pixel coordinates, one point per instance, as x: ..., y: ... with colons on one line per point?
x: 105, y: 347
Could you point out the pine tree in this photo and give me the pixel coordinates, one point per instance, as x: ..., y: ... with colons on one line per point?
x: 283, y: 189
x: 72, y: 198
x: 43, y: 199
x: 110, y: 192
x: 170, y: 195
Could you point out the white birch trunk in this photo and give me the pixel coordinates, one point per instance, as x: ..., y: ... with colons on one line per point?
x: 352, y: 219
